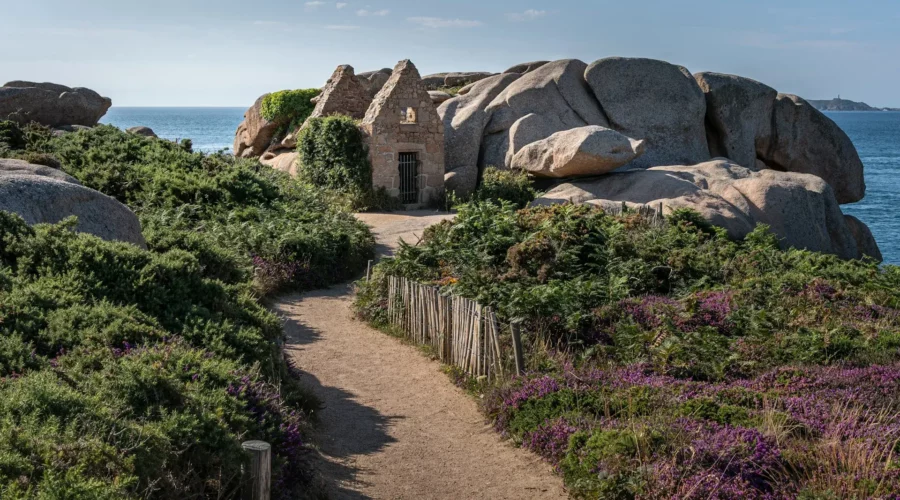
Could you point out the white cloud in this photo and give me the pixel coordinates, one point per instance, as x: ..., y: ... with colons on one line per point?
x: 372, y: 13
x: 314, y: 4
x: 267, y: 23
x: 340, y: 5
x: 342, y: 27
x: 528, y: 15
x: 437, y: 22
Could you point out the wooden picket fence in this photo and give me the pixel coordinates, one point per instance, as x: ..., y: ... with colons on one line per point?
x: 459, y: 331
x: 653, y: 214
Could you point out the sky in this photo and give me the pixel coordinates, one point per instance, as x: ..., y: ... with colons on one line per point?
x: 229, y: 52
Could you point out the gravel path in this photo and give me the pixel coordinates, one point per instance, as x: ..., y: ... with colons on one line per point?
x: 394, y: 426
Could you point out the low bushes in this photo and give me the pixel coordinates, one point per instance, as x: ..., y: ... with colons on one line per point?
x: 498, y: 185
x: 666, y: 360
x: 229, y: 210
x: 289, y: 107
x: 128, y: 374
x: 812, y: 432
x: 137, y: 374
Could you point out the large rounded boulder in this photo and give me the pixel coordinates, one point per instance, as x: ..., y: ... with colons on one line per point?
x: 739, y: 114
x: 42, y: 194
x: 801, y: 209
x: 805, y: 140
x: 655, y: 101
x: 555, y: 93
x: 51, y: 104
x: 579, y: 152
x: 465, y: 118
x: 755, y: 126
x: 255, y: 134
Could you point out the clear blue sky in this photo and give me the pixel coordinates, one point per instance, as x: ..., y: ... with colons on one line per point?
x: 228, y: 52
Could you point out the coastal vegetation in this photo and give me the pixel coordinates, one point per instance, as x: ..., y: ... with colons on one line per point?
x: 514, y: 186
x: 289, y: 107
x: 668, y: 360
x: 333, y: 156
x: 128, y: 373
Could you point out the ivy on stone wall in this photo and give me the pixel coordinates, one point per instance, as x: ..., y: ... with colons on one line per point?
x: 333, y: 154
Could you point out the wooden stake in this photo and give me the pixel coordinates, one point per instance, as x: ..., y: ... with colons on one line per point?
x: 495, y: 328
x: 517, y: 348
x: 259, y: 473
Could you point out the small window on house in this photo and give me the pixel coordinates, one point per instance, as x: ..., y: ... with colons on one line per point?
x: 408, y: 115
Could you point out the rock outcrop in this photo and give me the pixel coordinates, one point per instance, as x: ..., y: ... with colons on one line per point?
x: 801, y: 209
x: 142, y: 131
x: 284, y: 160
x: 556, y: 92
x: 51, y: 104
x: 255, y: 134
x: 526, y: 67
x: 739, y: 113
x: 658, y: 102
x: 374, y: 80
x: 865, y: 241
x: 437, y: 80
x: 683, y: 119
x: 804, y: 140
x: 462, y: 180
x: 578, y: 152
x: 465, y: 118
x: 438, y: 97
x: 42, y: 194
x: 21, y: 167
x: 749, y: 122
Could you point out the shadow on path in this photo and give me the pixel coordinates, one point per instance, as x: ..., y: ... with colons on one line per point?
x: 347, y: 428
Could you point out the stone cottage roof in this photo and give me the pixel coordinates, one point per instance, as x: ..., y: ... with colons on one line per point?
x: 403, y: 89
x: 343, y: 94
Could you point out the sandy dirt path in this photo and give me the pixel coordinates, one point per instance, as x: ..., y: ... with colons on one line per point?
x: 394, y: 426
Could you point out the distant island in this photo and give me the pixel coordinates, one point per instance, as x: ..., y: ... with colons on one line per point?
x: 838, y: 104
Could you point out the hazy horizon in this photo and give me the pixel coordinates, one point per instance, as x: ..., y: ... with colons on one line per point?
x: 186, y: 54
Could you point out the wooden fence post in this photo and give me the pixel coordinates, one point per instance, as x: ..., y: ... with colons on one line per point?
x: 517, y: 347
x: 259, y: 478
x: 369, y: 271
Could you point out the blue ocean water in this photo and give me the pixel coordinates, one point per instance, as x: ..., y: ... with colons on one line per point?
x: 210, y: 129
x: 875, y: 135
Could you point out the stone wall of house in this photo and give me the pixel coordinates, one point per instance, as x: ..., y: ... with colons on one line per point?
x: 403, y: 119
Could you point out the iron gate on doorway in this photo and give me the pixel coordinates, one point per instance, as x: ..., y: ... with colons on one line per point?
x: 409, y: 178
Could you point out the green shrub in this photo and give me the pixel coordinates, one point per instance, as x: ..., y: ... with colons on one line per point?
x: 510, y: 185
x: 11, y: 136
x: 289, y: 107
x: 680, y: 297
x: 333, y: 154
x: 227, y: 211
x: 128, y: 373
x: 665, y: 359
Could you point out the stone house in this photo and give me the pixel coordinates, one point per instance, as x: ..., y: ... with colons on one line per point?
x: 405, y: 137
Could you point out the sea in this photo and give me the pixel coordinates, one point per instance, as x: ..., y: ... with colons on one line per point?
x: 210, y: 129
x: 876, y: 136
